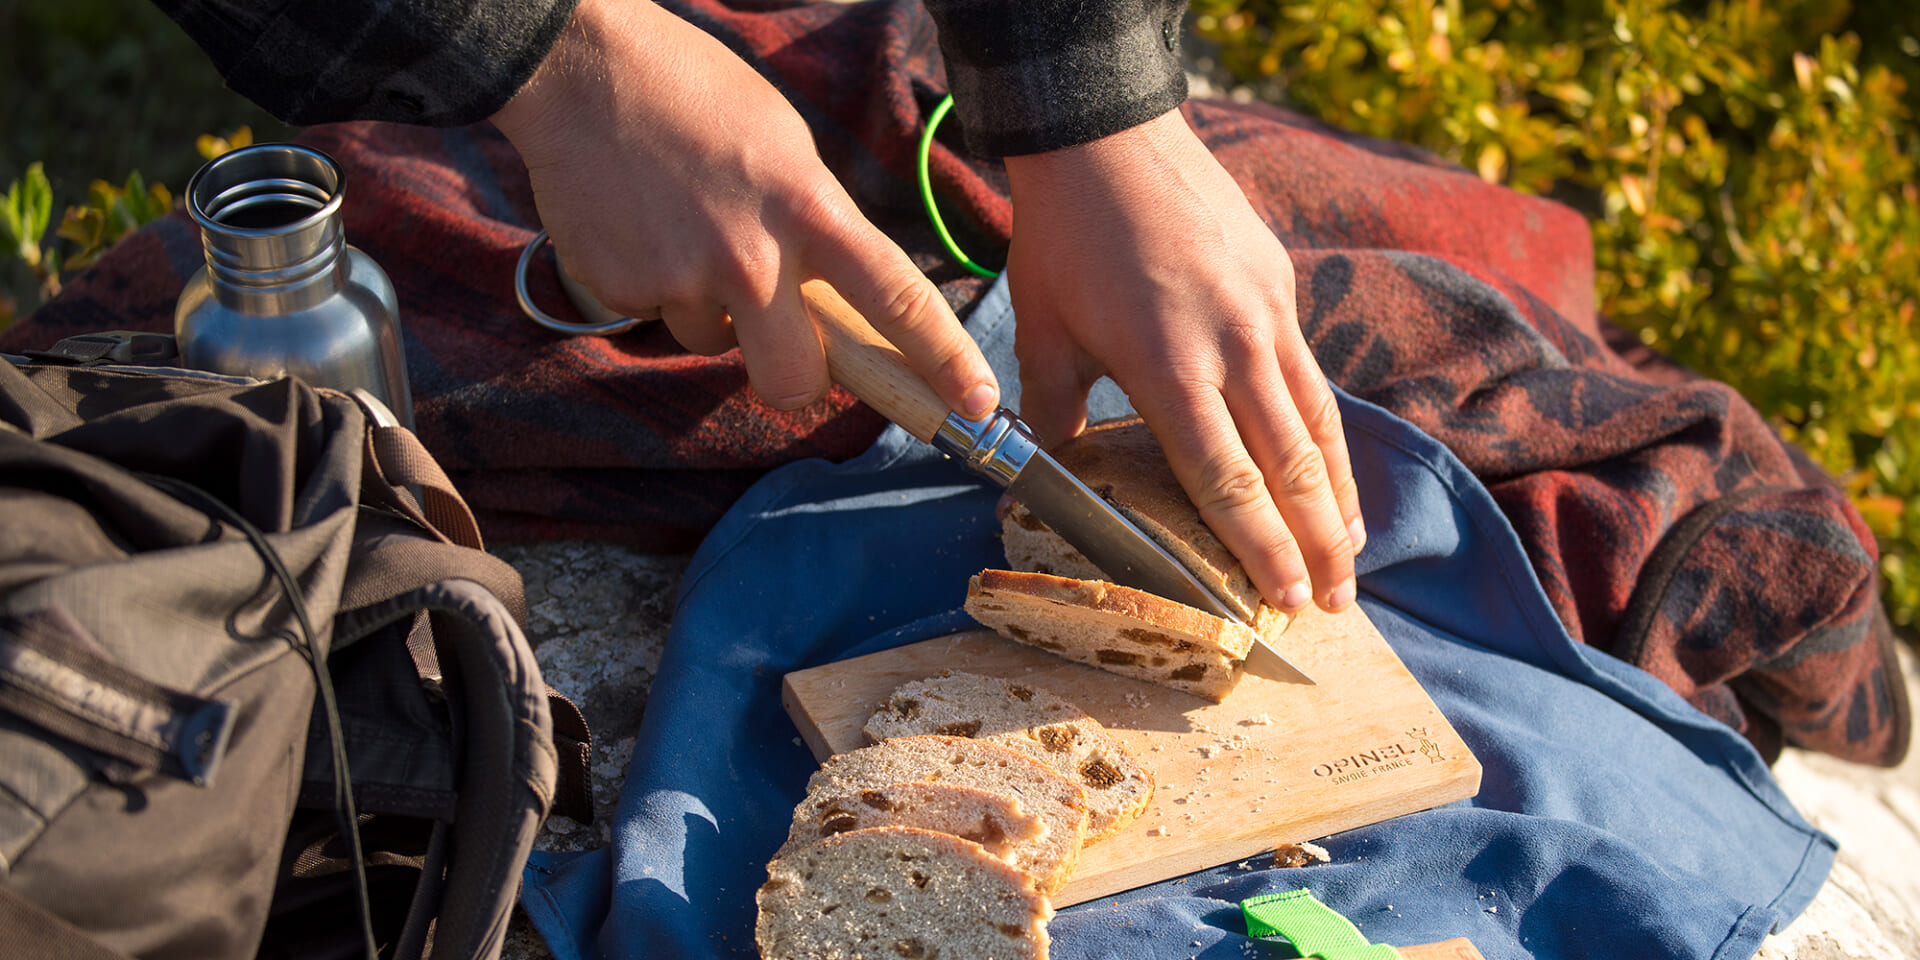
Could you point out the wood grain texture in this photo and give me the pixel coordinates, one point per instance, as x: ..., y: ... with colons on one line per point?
x: 1278, y: 761
x: 869, y: 366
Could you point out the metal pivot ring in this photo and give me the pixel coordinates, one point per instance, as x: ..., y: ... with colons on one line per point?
x: 614, y: 324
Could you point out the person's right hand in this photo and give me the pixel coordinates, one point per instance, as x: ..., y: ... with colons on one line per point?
x: 676, y: 181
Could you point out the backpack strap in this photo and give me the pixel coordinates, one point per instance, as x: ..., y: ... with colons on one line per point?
x: 390, y: 558
x: 396, y: 463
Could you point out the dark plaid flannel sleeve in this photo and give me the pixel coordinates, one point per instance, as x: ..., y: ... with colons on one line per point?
x: 434, y: 62
x: 1034, y: 75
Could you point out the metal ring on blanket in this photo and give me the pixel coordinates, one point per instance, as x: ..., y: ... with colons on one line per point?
x: 606, y: 321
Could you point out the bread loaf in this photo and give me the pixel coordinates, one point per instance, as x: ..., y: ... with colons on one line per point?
x: 1122, y: 462
x: 1118, y: 629
x: 1059, y: 803
x: 898, y: 893
x: 995, y: 821
x: 1032, y: 720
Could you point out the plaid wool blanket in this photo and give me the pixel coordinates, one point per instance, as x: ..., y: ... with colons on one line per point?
x: 1668, y: 523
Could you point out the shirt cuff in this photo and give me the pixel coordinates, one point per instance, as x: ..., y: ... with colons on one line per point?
x: 432, y: 62
x: 1028, y: 76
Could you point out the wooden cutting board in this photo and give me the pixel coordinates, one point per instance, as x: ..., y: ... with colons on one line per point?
x: 1278, y: 761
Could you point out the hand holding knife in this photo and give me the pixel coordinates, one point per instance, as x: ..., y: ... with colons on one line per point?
x: 1002, y: 449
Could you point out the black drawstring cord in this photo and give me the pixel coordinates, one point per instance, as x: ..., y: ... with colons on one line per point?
x: 343, y: 804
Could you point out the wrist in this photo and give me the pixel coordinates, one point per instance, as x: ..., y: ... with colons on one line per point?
x: 1159, y: 145
x: 574, y: 75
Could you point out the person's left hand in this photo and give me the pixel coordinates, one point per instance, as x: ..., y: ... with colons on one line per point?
x: 1138, y: 257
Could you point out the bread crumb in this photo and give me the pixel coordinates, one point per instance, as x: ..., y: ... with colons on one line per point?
x: 1160, y: 831
x: 1257, y: 720
x: 1299, y: 855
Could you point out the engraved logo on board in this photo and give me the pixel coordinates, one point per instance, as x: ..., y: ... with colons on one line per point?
x: 1428, y: 748
x: 1377, y: 760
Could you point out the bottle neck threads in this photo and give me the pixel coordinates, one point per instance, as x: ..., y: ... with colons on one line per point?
x: 269, y: 220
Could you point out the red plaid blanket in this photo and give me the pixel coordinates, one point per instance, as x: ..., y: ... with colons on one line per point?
x: 1669, y: 524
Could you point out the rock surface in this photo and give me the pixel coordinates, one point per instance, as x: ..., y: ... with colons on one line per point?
x: 599, y: 616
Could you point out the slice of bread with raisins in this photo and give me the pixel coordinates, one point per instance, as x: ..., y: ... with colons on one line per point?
x: 1067, y: 606
x: 898, y: 892
x: 1032, y: 720
x: 996, y: 821
x: 1118, y: 629
x: 1058, y: 802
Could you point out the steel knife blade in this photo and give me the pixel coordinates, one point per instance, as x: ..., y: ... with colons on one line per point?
x: 1002, y: 449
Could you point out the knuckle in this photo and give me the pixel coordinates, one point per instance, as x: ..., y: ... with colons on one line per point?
x: 909, y: 305
x: 1301, y: 475
x: 816, y: 203
x: 1320, y: 413
x: 753, y: 258
x: 1230, y: 485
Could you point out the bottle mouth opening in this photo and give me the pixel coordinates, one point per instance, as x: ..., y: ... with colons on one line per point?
x: 265, y: 206
x: 265, y: 189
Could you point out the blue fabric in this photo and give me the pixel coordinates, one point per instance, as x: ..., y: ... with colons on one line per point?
x: 1613, y: 819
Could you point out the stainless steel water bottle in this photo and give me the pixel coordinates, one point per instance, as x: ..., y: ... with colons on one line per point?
x: 283, y: 293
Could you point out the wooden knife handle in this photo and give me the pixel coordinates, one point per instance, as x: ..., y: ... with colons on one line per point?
x: 862, y: 360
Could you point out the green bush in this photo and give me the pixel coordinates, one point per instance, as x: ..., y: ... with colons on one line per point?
x: 89, y: 90
x: 1748, y: 169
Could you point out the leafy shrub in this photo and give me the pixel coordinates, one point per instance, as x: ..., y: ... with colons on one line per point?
x: 91, y: 90
x: 1748, y: 171
x: 91, y: 229
x: 109, y: 214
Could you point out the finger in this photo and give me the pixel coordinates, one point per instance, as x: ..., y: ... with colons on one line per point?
x: 1289, y: 458
x: 1203, y: 446
x: 1054, y: 380
x: 1314, y: 400
x: 703, y: 329
x: 878, y: 280
x: 785, y: 361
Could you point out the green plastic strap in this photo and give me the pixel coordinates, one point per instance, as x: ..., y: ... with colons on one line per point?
x: 1314, y: 928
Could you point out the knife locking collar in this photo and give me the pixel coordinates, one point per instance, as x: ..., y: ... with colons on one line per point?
x: 996, y: 447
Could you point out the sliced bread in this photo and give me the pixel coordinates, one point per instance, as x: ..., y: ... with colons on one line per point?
x: 888, y: 893
x: 1032, y: 720
x: 1058, y: 802
x: 996, y: 821
x: 1118, y: 629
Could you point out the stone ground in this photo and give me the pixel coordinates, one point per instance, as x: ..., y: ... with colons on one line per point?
x: 599, y: 616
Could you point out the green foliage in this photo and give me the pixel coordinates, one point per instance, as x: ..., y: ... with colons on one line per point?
x: 91, y: 89
x: 108, y: 214
x: 25, y: 215
x: 1748, y: 168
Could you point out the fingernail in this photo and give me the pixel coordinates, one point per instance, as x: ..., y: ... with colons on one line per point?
x: 1297, y: 596
x: 1357, y: 532
x: 1341, y: 595
x: 978, y: 402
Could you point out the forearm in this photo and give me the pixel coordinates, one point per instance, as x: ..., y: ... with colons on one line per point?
x: 1034, y: 75
x: 434, y: 62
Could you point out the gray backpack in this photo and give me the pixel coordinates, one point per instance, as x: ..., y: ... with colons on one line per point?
x: 214, y: 597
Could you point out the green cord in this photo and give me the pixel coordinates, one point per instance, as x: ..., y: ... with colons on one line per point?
x: 926, y: 192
